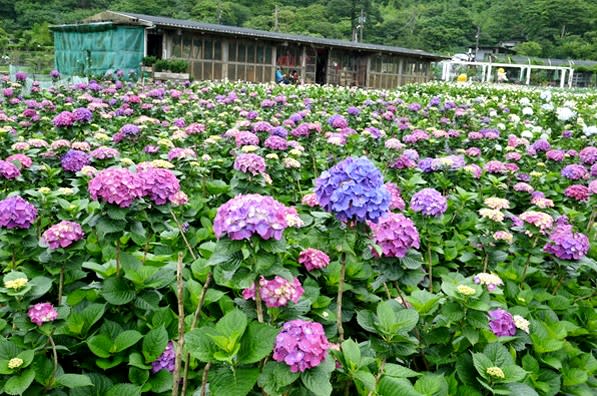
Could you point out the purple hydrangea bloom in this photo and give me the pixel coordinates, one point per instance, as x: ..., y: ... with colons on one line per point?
x: 262, y: 126
x: 353, y: 189
x: 301, y: 345
x: 42, y: 313
x: 313, y: 259
x: 83, y: 115
x: 565, y: 244
x: 501, y: 323
x: 429, y: 202
x: 159, y: 185
x: 116, y: 186
x: 425, y: 165
x: 24, y: 160
x: 250, y: 163
x: 276, y: 292
x: 396, y: 201
x: 337, y: 121
x: 55, y: 74
x: 166, y: 361
x: 541, y: 145
x: 8, y: 170
x: 20, y: 76
x: 63, y: 234
x: 588, y: 155
x: 126, y: 131
x: 577, y: 192
x: 574, y: 172
x: 74, y: 160
x: 246, y: 215
x: 276, y: 143
x: 353, y: 111
x: 101, y: 153
x: 395, y: 234
x: 245, y: 138
x: 279, y: 131
x: 65, y: 119
x: 15, y: 212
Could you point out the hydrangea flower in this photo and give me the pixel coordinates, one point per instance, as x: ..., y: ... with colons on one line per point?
x: 250, y: 163
x: 24, y: 160
x: 246, y: 215
x: 353, y: 189
x: 503, y: 236
x: 127, y: 131
x: 501, y: 323
x: 42, y: 313
x: 116, y: 186
x: 15, y: 212
x: 429, y: 202
x: 337, y: 121
x: 74, y: 160
x: 301, y: 345
x: 541, y: 220
x: 395, y: 234
x: 577, y: 192
x: 490, y: 280
x: 8, y: 170
x: 497, y: 203
x: 565, y: 244
x: 276, y: 292
x: 310, y: 200
x: 313, y: 259
x: 575, y: 172
x: 588, y: 155
x: 396, y: 201
x: 276, y: 143
x: 64, y: 120
x: 245, y: 138
x: 63, y: 234
x: 166, y: 361
x: 521, y: 323
x: 160, y: 185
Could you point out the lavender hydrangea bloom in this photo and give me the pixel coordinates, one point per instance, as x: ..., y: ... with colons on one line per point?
x: 8, y: 170
x: 246, y: 215
x: 127, y: 131
x: 276, y: 143
x: 429, y: 202
x: 301, y: 345
x: 565, y: 244
x: 116, y: 186
x: 64, y: 120
x: 501, y: 323
x: 42, y: 313
x: 574, y: 172
x: 74, y: 160
x: 101, y: 153
x: 353, y: 190
x: 159, y: 185
x: 395, y: 234
x: 166, y: 361
x: 245, y: 138
x: 15, y: 212
x: 588, y: 155
x: 82, y: 115
x: 337, y: 121
x: 250, y: 163
x: 63, y: 234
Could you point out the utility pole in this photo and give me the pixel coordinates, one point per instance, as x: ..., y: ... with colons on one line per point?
x: 276, y: 27
x: 362, y: 20
x: 477, y: 42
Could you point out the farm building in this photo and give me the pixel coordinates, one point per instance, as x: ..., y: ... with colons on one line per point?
x: 119, y: 40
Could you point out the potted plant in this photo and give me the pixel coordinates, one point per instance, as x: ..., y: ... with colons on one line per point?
x: 171, y: 69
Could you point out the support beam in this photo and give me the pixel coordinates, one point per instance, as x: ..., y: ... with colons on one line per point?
x: 570, y: 78
x: 529, y: 75
x: 562, y: 78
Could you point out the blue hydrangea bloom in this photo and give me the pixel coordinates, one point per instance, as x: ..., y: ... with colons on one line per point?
x: 353, y: 190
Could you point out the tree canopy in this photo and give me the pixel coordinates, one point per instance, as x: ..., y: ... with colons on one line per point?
x: 549, y: 28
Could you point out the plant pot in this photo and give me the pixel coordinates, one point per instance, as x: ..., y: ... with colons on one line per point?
x: 166, y: 75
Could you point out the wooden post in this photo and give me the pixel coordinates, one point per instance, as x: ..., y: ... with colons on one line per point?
x: 570, y: 78
x: 528, y: 75
x: 224, y: 44
x: 400, y: 69
x: 368, y: 71
x: 274, y: 62
x: 562, y: 78
x: 304, y: 64
x: 489, y: 73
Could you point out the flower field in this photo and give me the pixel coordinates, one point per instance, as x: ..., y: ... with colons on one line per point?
x: 233, y: 239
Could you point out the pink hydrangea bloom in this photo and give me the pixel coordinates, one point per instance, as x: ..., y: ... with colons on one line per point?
x: 313, y: 259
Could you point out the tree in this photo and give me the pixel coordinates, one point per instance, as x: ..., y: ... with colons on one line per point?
x: 529, y: 48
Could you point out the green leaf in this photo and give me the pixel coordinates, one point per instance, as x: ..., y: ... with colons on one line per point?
x: 124, y: 390
x: 574, y: 376
x: 232, y: 325
x: 100, y: 345
x: 481, y: 363
x: 424, y: 302
x: 397, y: 371
x: 317, y: 381
x: 257, y: 343
x: 352, y: 353
x: 406, y: 320
x: 390, y: 386
x: 223, y: 382
x: 126, y: 339
x: 136, y: 360
x: 161, y: 381
x: 154, y: 343
x: 40, y: 285
x: 138, y: 376
x: 498, y: 354
x: 275, y: 376
x: 521, y: 390
x: 73, y: 380
x: 100, y: 387
x: 513, y: 373
x: 432, y: 385
x: 17, y: 384
x: 199, y: 345
x: 117, y: 291
x: 365, y: 378
x: 91, y: 314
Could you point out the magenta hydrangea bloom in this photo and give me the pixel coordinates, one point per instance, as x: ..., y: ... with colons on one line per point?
x: 63, y: 234
x: 396, y: 201
x: 501, y: 323
x: 276, y: 143
x: 166, y: 361
x: 250, y: 163
x: 64, y: 120
x: 313, y: 259
x: 116, y: 186
x: 301, y: 345
x: 429, y: 202
x: 577, y: 192
x: 8, y: 170
x: 566, y: 244
x: 246, y: 215
x: 24, y: 160
x: 276, y: 292
x: 42, y: 313
x: 395, y: 234
x: 15, y: 212
x: 353, y: 189
x: 160, y: 185
x: 337, y: 121
x: 246, y: 138
x: 74, y: 160
x: 588, y: 155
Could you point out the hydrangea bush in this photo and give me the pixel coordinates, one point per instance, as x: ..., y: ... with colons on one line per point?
x: 235, y: 239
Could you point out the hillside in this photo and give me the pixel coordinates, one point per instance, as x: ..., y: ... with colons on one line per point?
x: 548, y: 28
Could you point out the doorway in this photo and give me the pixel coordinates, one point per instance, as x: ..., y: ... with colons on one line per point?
x: 155, y: 45
x: 321, y: 68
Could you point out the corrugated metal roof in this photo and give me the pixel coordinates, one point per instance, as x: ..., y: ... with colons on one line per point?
x: 277, y: 36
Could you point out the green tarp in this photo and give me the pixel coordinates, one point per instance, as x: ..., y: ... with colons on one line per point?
x: 96, y: 49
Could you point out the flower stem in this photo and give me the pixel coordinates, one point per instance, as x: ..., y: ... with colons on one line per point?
x: 184, y: 238
x: 382, y: 366
x: 204, y: 379
x: 430, y: 267
x: 526, y: 264
x: 181, y: 316
x: 258, y: 304
x: 60, y: 285
x: 591, y: 221
x: 117, y: 257
x: 54, y: 357
x: 339, y: 299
